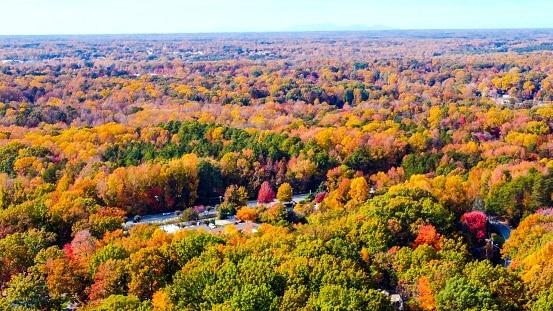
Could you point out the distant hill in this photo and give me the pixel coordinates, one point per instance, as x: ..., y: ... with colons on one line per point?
x: 333, y: 27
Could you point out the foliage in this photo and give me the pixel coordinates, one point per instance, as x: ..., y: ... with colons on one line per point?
x: 462, y: 294
x: 284, y: 193
x: 266, y: 193
x: 95, y: 130
x: 476, y: 222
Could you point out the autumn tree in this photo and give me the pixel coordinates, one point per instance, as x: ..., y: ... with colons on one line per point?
x: 359, y: 190
x: 266, y: 193
x: 428, y: 235
x: 284, y: 192
x: 476, y: 224
x: 236, y: 195
x: 246, y: 214
x: 147, y: 270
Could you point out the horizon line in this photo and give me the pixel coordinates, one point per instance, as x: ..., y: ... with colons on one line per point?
x: 387, y: 29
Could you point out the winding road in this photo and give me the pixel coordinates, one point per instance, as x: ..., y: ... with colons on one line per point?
x: 504, y: 230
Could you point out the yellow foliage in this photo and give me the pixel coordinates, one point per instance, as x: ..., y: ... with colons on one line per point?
x: 435, y: 115
x: 27, y: 166
x: 161, y: 301
x: 418, y: 142
x: 359, y: 190
x: 325, y: 138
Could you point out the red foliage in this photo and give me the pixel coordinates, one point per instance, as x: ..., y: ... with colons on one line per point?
x: 5, y: 230
x: 266, y: 193
x: 545, y: 211
x: 69, y: 252
x: 475, y: 221
x: 428, y: 235
x: 320, y: 196
x: 82, y: 246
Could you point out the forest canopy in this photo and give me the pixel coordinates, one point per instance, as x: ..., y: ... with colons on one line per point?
x: 405, y: 148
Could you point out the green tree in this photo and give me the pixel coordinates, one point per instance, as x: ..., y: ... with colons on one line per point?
x: 336, y: 298
x: 188, y: 215
x: 505, y: 286
x: 122, y: 303
x: 210, y: 181
x: 30, y: 291
x: 461, y: 293
x: 110, y: 251
x: 18, y: 250
x: 192, y: 245
x: 252, y: 297
x: 543, y: 303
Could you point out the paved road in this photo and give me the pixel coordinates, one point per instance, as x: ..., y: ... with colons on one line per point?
x: 295, y: 198
x: 170, y: 216
x: 151, y: 219
x: 504, y: 230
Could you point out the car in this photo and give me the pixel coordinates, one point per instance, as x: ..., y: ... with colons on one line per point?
x: 212, y: 226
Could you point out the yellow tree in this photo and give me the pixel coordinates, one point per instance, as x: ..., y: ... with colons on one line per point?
x: 359, y: 190
x: 284, y: 192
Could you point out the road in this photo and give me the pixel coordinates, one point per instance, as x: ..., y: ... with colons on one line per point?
x: 295, y: 198
x: 151, y: 219
x: 170, y: 216
x: 504, y: 230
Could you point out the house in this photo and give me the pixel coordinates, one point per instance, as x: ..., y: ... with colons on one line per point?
x: 395, y: 299
x: 504, y: 100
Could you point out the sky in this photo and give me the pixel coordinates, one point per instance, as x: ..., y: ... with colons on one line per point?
x: 39, y: 17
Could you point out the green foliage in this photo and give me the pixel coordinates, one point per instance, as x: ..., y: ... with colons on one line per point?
x: 8, y: 155
x: 188, y: 215
x: 543, y: 303
x: 423, y: 163
x: 521, y: 196
x: 123, y: 303
x: 236, y: 195
x: 29, y: 292
x: 18, y: 250
x: 506, y: 288
x: 133, y: 153
x: 252, y: 297
x: 210, y: 181
x: 336, y: 298
x: 297, y: 117
x: 398, y: 212
x: 461, y: 293
x: 110, y: 251
x: 192, y: 245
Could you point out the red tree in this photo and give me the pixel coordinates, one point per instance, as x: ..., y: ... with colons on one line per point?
x: 266, y: 193
x: 476, y: 223
x: 320, y: 196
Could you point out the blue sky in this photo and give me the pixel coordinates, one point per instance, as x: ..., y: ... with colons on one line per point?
x: 174, y: 16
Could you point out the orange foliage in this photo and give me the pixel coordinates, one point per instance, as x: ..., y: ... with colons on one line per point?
x: 428, y: 235
x: 246, y: 214
x: 426, y: 298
